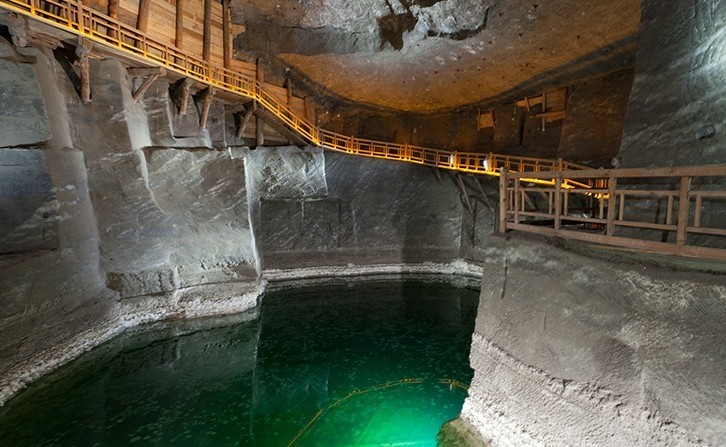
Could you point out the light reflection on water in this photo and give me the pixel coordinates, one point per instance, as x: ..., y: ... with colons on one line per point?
x: 230, y: 382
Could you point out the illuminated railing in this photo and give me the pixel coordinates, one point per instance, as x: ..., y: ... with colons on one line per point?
x: 675, y: 211
x: 72, y: 16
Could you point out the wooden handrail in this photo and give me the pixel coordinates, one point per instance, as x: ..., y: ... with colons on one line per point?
x: 681, y: 196
x: 73, y: 17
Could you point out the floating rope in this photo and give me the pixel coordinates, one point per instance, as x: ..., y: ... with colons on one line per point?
x: 407, y: 381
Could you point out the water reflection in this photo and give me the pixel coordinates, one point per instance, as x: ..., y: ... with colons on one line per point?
x: 258, y: 381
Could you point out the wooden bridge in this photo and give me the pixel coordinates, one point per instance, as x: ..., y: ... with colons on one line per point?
x: 127, y: 36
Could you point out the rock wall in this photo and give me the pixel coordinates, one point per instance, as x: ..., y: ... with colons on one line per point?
x: 112, y: 214
x: 574, y: 351
x: 678, y: 103
x: 593, y: 128
x: 334, y: 209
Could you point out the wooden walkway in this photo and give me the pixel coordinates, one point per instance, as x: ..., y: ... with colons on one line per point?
x: 575, y: 201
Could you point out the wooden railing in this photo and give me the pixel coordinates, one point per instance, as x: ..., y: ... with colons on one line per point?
x: 675, y: 211
x: 72, y: 16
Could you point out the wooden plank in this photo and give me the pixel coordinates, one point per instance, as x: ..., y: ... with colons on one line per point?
x: 503, y: 202
x: 683, y: 210
x: 179, y: 22
x: 610, y: 228
x: 142, y: 19
x: 646, y: 225
x: 656, y: 247
x: 205, y: 107
x: 710, y: 231
x: 558, y: 203
x: 517, y: 201
x: 697, y: 217
x: 207, y: 34
x: 138, y: 94
x: 689, y: 171
x: 226, y: 35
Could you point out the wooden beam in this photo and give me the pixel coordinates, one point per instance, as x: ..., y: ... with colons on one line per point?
x: 182, y: 92
x: 259, y: 124
x: 464, y: 193
x: 684, y: 205
x: 503, y: 200
x: 245, y: 120
x: 685, y: 171
x: 208, y: 94
x: 485, y: 199
x: 113, y: 8
x: 558, y: 202
x: 207, y: 31
x: 142, y: 19
x: 226, y: 34
x: 179, y: 35
x: 652, y: 246
x: 82, y: 51
x: 141, y: 72
x: 138, y: 94
x: 610, y: 225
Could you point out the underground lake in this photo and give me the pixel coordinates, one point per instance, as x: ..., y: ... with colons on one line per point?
x: 363, y: 363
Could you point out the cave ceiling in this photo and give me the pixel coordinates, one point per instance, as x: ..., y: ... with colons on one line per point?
x: 431, y: 55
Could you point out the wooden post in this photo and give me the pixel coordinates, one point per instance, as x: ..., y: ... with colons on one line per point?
x: 184, y: 91
x: 610, y: 222
x: 245, y: 120
x: 207, y: 31
x: 517, y: 200
x: 503, y: 202
x: 288, y: 85
x: 558, y: 203
x: 113, y: 9
x: 82, y: 51
x: 226, y: 34
x: 259, y: 125
x: 144, y: 87
x: 465, y: 193
x: 142, y: 20
x: 208, y: 94
x: 179, y: 35
x: 684, y: 205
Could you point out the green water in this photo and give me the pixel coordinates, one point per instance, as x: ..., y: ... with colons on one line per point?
x: 230, y: 382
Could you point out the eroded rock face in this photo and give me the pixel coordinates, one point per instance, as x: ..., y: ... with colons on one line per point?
x: 572, y: 351
x: 677, y: 107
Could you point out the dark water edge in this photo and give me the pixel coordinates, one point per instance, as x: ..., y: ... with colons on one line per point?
x: 258, y: 379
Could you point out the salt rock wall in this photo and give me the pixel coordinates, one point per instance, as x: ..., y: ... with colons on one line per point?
x: 678, y: 103
x: 112, y: 214
x: 335, y: 209
x: 572, y: 351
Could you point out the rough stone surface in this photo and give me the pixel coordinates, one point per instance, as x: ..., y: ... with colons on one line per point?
x: 28, y: 206
x: 375, y: 212
x: 167, y: 128
x: 23, y: 120
x: 139, y: 236
x: 593, y: 128
x: 572, y: 351
x: 677, y: 107
x: 438, y: 55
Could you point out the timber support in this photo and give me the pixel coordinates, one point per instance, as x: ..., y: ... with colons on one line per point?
x: 152, y: 74
x: 206, y: 104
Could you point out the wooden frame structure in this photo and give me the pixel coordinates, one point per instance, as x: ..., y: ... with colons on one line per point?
x: 597, y: 213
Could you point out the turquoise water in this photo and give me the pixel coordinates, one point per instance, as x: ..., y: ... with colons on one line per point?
x: 231, y: 382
